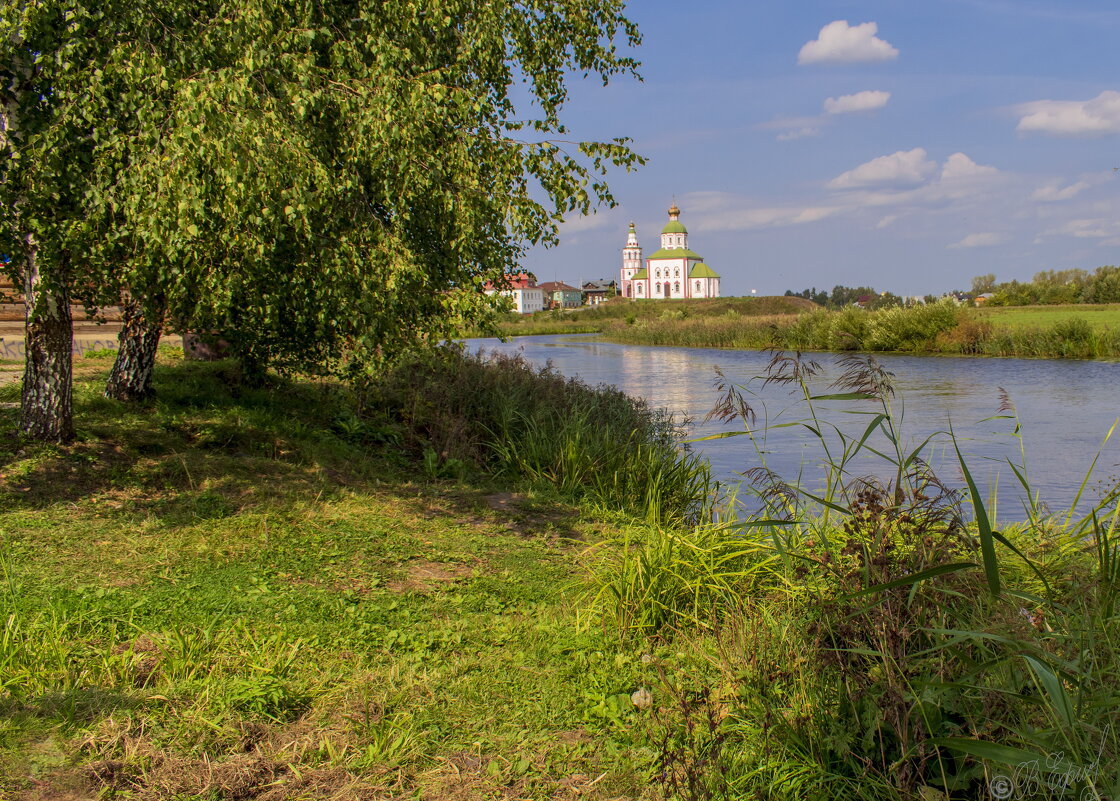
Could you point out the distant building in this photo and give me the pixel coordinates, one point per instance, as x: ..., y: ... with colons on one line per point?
x: 558, y: 295
x: 673, y: 271
x: 527, y: 297
x: 595, y: 292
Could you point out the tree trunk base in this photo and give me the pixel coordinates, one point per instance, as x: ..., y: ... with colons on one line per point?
x: 131, y: 377
x: 47, y: 402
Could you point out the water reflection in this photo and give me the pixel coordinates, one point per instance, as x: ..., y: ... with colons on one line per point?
x: 1066, y: 408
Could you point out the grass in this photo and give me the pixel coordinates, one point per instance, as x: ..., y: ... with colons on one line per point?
x: 1083, y: 331
x: 269, y: 593
x: 940, y: 328
x: 1097, y: 315
x: 619, y: 314
x: 442, y: 586
x: 877, y: 639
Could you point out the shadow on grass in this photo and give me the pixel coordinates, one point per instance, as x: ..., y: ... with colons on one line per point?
x: 204, y: 448
x: 77, y: 707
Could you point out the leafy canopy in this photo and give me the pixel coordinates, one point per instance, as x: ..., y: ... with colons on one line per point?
x: 325, y: 183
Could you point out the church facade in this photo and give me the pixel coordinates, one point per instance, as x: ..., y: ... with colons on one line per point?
x: 673, y: 271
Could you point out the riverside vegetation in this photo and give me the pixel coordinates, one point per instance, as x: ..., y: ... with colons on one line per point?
x: 1062, y: 332
x: 474, y: 579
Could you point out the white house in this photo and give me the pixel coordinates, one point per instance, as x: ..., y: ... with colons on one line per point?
x: 527, y: 297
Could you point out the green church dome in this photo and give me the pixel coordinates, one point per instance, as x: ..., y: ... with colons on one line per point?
x: 674, y: 227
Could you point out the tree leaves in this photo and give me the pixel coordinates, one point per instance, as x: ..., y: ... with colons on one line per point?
x: 326, y: 184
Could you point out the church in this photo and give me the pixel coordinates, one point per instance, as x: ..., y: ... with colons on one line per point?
x: 673, y: 271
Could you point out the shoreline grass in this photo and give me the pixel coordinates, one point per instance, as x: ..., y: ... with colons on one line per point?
x: 940, y: 329
x: 438, y: 586
x: 275, y: 593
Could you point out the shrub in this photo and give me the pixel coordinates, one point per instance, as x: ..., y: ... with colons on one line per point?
x: 909, y: 329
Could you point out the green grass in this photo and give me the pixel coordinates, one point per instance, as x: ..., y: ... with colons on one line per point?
x: 440, y: 586
x: 1097, y: 315
x: 618, y: 314
x: 240, y: 592
x: 1079, y: 332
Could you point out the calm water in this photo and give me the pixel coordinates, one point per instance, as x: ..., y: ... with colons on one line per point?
x: 1066, y: 409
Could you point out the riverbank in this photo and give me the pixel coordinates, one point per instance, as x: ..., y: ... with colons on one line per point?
x: 478, y: 580
x: 618, y: 313
x: 300, y: 591
x: 1065, y: 332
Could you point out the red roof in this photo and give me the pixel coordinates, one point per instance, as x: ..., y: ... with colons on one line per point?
x: 518, y: 281
x: 557, y: 286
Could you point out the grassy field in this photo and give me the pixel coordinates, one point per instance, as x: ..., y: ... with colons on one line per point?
x: 619, y: 313
x: 1097, y: 315
x: 477, y: 580
x: 1075, y: 331
x: 234, y: 593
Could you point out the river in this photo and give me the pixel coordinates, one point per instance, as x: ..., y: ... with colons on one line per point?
x: 1065, y: 409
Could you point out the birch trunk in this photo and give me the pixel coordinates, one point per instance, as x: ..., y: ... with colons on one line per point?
x: 131, y: 378
x: 47, y: 404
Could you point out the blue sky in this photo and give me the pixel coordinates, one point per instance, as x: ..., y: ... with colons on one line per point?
x: 907, y: 146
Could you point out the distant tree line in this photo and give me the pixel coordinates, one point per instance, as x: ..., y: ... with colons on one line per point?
x: 1052, y: 287
x: 842, y: 296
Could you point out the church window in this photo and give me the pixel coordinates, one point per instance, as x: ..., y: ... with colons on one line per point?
x: 677, y: 273
x: 677, y: 286
x: 639, y: 289
x: 697, y: 286
x: 658, y: 288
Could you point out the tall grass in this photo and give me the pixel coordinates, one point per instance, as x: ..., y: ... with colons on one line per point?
x: 503, y: 415
x: 877, y: 636
x: 940, y: 328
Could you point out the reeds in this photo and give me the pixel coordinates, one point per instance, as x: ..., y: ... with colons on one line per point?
x: 941, y: 328
x: 507, y: 417
x: 879, y: 636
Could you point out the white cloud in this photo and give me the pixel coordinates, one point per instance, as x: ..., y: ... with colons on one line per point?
x: 906, y: 167
x: 869, y: 100
x: 1087, y: 229
x: 960, y: 167
x: 841, y: 43
x: 1096, y: 117
x: 983, y: 240
x: 1053, y: 191
x: 793, y: 127
x: 723, y: 211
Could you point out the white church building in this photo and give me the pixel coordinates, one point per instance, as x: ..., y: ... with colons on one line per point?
x: 673, y: 271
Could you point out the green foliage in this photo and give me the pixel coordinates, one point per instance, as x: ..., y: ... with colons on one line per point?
x: 298, y: 179
x: 910, y: 329
x: 871, y: 640
x: 937, y: 327
x: 500, y: 414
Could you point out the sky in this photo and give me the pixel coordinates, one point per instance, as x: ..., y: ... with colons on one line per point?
x: 900, y: 145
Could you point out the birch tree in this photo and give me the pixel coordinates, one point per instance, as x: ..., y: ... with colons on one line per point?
x: 324, y: 184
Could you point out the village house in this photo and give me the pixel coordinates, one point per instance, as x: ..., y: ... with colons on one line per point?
x: 558, y: 295
x: 523, y: 291
x: 595, y: 292
x: 673, y: 271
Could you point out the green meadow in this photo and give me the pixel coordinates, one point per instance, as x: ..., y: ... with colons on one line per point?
x: 477, y: 579
x: 1080, y: 331
x: 1098, y: 315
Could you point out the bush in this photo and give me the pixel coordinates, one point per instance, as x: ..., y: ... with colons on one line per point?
x: 910, y: 329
